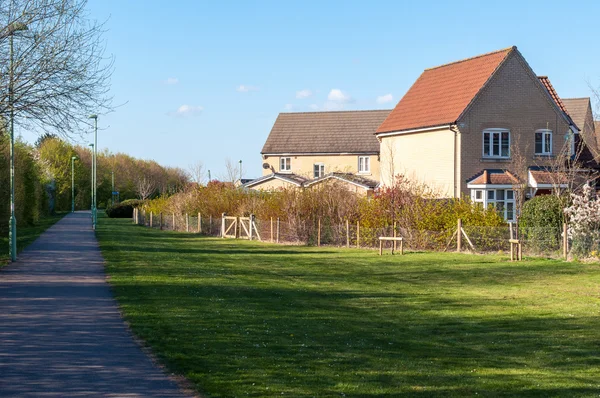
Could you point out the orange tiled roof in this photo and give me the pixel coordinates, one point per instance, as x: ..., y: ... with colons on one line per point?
x: 546, y: 83
x: 493, y: 177
x: 441, y: 94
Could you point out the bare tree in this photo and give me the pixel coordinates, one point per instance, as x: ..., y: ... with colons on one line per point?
x: 196, y: 172
x: 232, y: 171
x: 60, y: 73
x: 145, y: 187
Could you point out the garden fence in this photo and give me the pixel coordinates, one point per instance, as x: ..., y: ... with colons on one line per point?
x: 547, y: 241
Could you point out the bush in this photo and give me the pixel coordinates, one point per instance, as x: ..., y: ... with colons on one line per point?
x: 541, y: 221
x: 123, y: 209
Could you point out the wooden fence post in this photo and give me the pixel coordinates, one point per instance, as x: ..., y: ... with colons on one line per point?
x: 277, y: 229
x: 319, y: 233
x: 251, y: 223
x: 173, y: 221
x: 223, y: 225
x: 459, y: 235
x: 358, y: 234
x: 347, y: 233
x: 271, y: 229
x: 150, y: 219
x: 210, y: 225
x: 565, y: 241
x: 187, y: 222
x: 199, y: 223
x: 395, y: 236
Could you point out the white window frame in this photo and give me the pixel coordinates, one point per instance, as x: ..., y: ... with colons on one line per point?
x: 489, y: 197
x: 545, y: 151
x: 321, y: 166
x: 285, y: 164
x: 495, y: 132
x: 362, y: 161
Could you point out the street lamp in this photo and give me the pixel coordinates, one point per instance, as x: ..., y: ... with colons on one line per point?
x: 73, y: 159
x: 12, y: 28
x: 92, y: 182
x: 94, y: 166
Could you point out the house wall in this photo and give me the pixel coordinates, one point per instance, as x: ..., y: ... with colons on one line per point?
x: 425, y: 157
x: 513, y: 99
x: 303, y: 164
x: 589, y: 133
x: 273, y: 185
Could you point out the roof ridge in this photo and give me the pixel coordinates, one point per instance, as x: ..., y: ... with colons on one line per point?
x: 347, y: 111
x: 508, y: 49
x: 577, y: 98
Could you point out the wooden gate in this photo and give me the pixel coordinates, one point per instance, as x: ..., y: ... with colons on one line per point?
x: 229, y: 227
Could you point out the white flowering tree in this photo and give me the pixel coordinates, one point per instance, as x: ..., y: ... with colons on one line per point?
x: 584, y: 221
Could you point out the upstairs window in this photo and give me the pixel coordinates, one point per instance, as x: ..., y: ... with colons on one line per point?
x: 319, y: 170
x: 285, y: 165
x: 364, y: 164
x: 543, y: 142
x: 496, y: 143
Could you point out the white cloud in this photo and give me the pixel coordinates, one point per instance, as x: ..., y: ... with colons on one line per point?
x: 245, y: 88
x: 171, y: 81
x: 304, y: 93
x: 338, y: 96
x: 382, y: 99
x: 188, y: 110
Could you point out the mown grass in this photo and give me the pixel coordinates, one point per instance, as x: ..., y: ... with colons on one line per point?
x: 243, y: 318
x: 26, y: 235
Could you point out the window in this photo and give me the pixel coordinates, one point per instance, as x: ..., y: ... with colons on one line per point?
x: 502, y: 200
x: 570, y: 139
x: 364, y: 164
x: 496, y: 143
x: 319, y: 170
x: 543, y: 142
x: 285, y: 164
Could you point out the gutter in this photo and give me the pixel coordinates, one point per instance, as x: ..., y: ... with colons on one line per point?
x: 456, y: 132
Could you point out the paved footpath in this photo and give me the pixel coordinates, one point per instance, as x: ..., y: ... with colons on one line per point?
x: 61, y: 334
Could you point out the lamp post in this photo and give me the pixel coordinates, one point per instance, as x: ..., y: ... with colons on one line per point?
x: 92, y: 181
x: 73, y: 159
x: 94, y: 166
x: 240, y: 171
x: 112, y: 195
x: 12, y: 28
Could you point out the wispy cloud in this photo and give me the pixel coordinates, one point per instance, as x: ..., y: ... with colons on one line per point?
x: 245, y: 88
x: 171, y: 81
x: 306, y: 93
x: 188, y: 110
x: 338, y: 96
x: 383, y: 99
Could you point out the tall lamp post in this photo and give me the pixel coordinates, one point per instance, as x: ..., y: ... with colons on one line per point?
x: 73, y: 159
x: 94, y: 166
x: 12, y: 28
x: 92, y: 179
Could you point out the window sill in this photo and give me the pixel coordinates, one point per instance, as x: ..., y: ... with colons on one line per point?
x: 364, y: 173
x: 285, y: 171
x: 495, y: 160
x: 543, y: 156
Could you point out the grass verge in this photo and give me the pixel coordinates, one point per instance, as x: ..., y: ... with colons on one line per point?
x: 27, y: 234
x: 243, y: 318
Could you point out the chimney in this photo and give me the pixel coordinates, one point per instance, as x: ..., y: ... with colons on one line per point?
x: 485, y: 177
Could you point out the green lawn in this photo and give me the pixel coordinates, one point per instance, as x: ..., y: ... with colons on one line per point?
x: 26, y: 235
x: 242, y: 318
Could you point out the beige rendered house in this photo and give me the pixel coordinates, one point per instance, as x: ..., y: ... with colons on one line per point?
x: 311, y: 145
x: 467, y: 127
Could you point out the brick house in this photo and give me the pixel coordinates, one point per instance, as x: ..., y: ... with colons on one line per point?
x: 478, y: 127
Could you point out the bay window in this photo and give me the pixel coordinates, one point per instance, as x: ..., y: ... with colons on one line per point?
x: 502, y: 200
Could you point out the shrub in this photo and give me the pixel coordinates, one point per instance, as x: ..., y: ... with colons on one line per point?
x: 123, y: 209
x: 541, y: 221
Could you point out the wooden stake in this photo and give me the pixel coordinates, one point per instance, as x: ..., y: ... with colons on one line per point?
x: 358, y: 234
x: 150, y: 219
x: 277, y: 229
x: 187, y: 222
x: 271, y: 229
x: 565, y: 242
x: 222, y: 225
x: 459, y: 236
x: 160, y: 223
x: 347, y: 233
x: 395, y: 236
x: 319, y: 233
x: 199, y: 223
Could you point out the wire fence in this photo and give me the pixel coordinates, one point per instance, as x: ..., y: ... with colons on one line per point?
x: 546, y: 241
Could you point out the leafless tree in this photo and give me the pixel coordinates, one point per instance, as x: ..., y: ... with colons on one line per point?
x: 520, y: 168
x: 60, y: 73
x: 145, y: 187
x: 232, y: 171
x: 196, y: 172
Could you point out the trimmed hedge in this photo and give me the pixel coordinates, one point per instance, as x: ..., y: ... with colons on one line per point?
x: 123, y: 209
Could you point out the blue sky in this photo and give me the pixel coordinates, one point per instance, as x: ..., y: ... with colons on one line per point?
x: 205, y: 80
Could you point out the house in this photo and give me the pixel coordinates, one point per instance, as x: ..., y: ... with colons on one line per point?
x: 310, y: 145
x: 356, y: 183
x: 580, y: 109
x: 275, y: 181
x: 477, y: 127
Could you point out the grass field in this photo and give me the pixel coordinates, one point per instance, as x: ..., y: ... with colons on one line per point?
x: 242, y: 318
x: 27, y: 234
